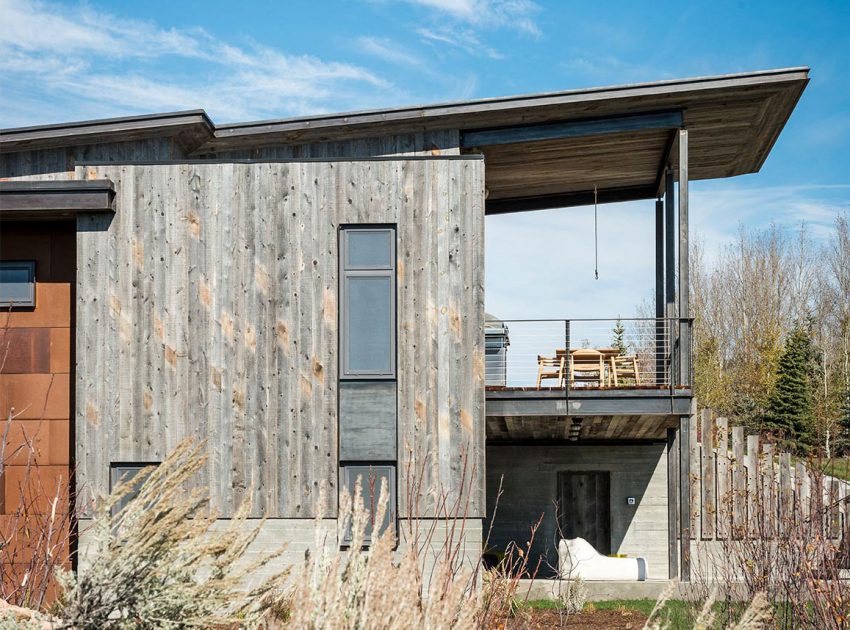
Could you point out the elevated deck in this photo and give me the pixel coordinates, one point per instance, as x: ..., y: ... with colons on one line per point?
x: 517, y: 414
x: 589, y: 380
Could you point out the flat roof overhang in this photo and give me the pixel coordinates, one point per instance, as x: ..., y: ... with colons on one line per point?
x: 27, y: 200
x: 542, y: 150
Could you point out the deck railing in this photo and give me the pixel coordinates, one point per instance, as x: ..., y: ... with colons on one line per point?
x: 573, y: 354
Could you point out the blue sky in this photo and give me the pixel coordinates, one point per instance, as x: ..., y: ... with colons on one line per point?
x: 254, y: 60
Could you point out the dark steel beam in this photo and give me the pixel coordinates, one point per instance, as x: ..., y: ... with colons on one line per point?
x: 567, y: 200
x: 670, y: 272
x: 660, y: 326
x: 666, y: 162
x: 673, y: 456
x: 684, y: 262
x: 571, y: 129
x: 684, y: 483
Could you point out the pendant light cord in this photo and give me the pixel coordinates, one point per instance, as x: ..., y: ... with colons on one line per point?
x: 595, y: 234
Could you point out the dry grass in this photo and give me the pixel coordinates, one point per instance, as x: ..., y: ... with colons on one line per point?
x: 379, y: 587
x: 158, y: 562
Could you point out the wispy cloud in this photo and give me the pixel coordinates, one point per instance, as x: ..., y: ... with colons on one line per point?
x: 74, y: 55
x: 462, y: 39
x: 719, y: 208
x: 608, y: 68
x: 519, y: 246
x: 520, y: 15
x: 390, y: 51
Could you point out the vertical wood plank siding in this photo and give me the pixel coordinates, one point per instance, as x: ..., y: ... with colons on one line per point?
x: 440, y: 142
x: 208, y: 308
x: 60, y: 162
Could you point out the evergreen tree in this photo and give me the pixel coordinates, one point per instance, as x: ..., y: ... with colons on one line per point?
x: 619, y: 341
x: 790, y: 412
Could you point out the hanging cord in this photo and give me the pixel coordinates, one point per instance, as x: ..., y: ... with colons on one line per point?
x: 595, y: 235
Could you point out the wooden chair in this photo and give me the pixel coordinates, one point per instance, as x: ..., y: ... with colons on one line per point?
x: 587, y: 366
x: 624, y: 366
x: 550, y: 367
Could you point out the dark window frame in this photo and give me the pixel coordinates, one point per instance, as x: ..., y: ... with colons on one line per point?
x: 115, y: 477
x: 30, y: 266
x: 348, y: 482
x: 347, y: 271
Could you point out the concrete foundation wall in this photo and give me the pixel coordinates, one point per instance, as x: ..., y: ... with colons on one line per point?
x: 529, y: 479
x: 303, y: 536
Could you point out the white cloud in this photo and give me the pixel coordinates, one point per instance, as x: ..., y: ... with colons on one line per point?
x: 463, y: 39
x: 540, y: 264
x: 390, y: 51
x: 608, y: 69
x: 719, y: 208
x: 100, y: 64
x: 516, y: 14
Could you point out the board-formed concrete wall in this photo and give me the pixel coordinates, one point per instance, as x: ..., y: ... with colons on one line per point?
x: 297, y: 539
x: 528, y: 476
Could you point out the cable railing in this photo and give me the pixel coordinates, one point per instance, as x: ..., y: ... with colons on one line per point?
x: 583, y: 354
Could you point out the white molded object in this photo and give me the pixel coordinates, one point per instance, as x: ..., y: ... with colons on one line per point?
x: 578, y: 558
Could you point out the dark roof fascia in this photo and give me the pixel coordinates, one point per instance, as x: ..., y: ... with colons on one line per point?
x: 445, y: 115
x: 54, y: 199
x: 425, y: 116
x: 194, y: 122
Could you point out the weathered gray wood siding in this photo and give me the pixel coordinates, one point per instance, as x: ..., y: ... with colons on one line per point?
x: 208, y: 307
x: 442, y: 142
x: 60, y: 162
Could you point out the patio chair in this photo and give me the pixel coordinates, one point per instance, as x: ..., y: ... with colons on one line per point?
x: 624, y: 366
x: 550, y: 367
x: 587, y: 366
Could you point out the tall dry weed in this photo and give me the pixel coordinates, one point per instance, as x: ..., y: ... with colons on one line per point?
x: 159, y: 562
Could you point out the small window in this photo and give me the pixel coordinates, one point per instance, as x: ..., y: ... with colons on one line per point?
x: 17, y: 283
x: 369, y: 249
x: 371, y: 477
x: 368, y: 288
x: 121, y: 473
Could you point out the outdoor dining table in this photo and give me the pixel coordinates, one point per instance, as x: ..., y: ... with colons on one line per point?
x: 607, y: 355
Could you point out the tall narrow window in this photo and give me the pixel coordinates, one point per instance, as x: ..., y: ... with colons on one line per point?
x: 368, y: 313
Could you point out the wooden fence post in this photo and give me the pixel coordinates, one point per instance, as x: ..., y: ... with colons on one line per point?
x: 768, y: 490
x: 753, y: 485
x: 695, y: 478
x: 739, y: 485
x: 707, y: 472
x: 834, y: 529
x: 724, y: 497
x: 845, y: 513
x: 786, y: 505
x: 801, y: 483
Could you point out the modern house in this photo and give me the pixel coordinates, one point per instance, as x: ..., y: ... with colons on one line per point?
x: 307, y: 295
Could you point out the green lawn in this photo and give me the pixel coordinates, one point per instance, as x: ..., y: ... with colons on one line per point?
x: 676, y: 613
x: 838, y: 467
